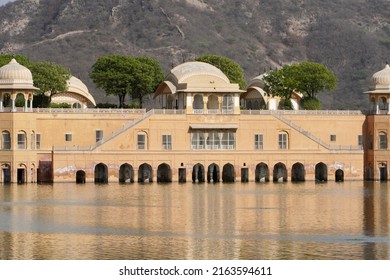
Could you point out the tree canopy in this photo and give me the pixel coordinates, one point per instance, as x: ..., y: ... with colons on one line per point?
x: 21, y: 59
x: 307, y: 78
x: 123, y: 75
x: 50, y: 78
x: 230, y: 68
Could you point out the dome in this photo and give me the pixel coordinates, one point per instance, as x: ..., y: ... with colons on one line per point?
x: 77, y: 91
x: 196, y: 68
x: 15, y: 76
x: 196, y: 77
x: 382, y: 78
x: 380, y: 81
x: 15, y: 71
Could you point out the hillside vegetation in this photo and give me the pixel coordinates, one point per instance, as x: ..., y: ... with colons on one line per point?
x: 351, y: 37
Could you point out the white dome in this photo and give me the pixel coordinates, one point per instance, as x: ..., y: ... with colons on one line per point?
x: 15, y: 76
x: 77, y: 92
x: 380, y: 81
x: 382, y: 78
x: 196, y: 68
x: 15, y: 71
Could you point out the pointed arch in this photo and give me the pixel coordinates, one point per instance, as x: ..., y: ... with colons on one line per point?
x: 101, y: 173
x: 164, y: 173
x: 213, y: 173
x: 126, y: 173
x: 262, y: 172
x: 280, y: 172
x: 198, y: 174
x: 321, y: 172
x: 145, y: 173
x: 228, y: 173
x: 298, y: 172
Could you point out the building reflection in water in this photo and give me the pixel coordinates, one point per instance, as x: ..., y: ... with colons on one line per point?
x: 376, y: 220
x: 195, y: 221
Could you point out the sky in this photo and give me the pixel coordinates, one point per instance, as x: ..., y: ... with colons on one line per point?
x: 2, y: 2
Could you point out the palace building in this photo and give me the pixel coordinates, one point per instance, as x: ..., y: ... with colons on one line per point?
x: 203, y: 128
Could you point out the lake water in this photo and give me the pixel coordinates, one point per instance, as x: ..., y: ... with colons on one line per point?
x: 349, y: 220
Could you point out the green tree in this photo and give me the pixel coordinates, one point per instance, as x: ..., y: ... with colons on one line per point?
x: 122, y: 75
x: 307, y: 78
x: 230, y: 68
x: 279, y: 83
x: 148, y: 75
x: 21, y: 59
x: 312, y: 78
x: 50, y: 78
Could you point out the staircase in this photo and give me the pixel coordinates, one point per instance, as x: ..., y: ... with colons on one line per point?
x: 123, y: 129
x: 306, y: 133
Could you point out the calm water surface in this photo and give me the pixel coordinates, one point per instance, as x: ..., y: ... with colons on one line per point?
x: 189, y: 221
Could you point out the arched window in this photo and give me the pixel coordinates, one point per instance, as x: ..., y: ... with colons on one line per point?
x: 283, y: 140
x: 382, y: 144
x: 382, y: 103
x: 22, y: 140
x: 76, y: 105
x: 142, y: 141
x: 5, y: 140
x: 227, y: 104
x: 212, y: 102
x: 198, y: 102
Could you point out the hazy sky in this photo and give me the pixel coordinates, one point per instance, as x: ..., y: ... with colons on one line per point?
x: 2, y: 2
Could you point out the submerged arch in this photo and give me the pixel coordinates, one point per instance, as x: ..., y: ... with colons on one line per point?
x: 145, y: 173
x: 198, y: 174
x: 321, y: 172
x: 298, y: 172
x: 164, y: 173
x: 213, y: 173
x: 262, y: 172
x: 80, y: 177
x: 339, y: 175
x: 126, y: 173
x: 101, y: 173
x: 280, y: 172
x: 228, y: 173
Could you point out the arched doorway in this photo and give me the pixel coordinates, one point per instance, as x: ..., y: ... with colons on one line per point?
x: 383, y: 174
x: 280, y: 173
x: 228, y: 174
x: 182, y: 174
x: 339, y: 175
x: 80, y: 177
x: 262, y: 173
x: 101, y: 174
x: 198, y: 174
x: 145, y: 173
x: 213, y: 173
x: 321, y: 172
x: 298, y: 172
x: 164, y: 173
x: 21, y: 175
x: 126, y: 173
x: 6, y: 172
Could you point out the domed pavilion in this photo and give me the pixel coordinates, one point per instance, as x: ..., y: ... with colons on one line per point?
x: 379, y: 91
x: 198, y: 88
x: 16, y: 79
x: 77, y: 95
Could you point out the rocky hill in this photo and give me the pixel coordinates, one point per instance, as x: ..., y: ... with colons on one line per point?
x: 352, y: 37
